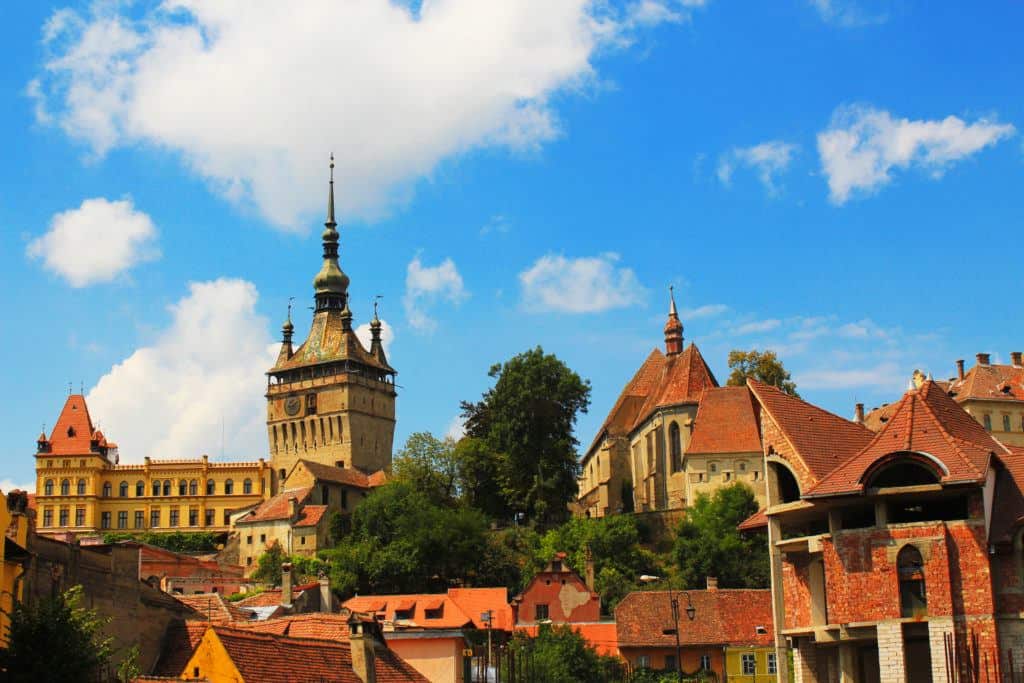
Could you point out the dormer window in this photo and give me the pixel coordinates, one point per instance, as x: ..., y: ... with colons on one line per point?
x: 71, y: 432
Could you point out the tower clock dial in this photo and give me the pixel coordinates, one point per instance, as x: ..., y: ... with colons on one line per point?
x: 292, y: 405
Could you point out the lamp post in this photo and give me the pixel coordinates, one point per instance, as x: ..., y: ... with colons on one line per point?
x: 691, y: 612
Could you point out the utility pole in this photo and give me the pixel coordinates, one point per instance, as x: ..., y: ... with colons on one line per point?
x: 486, y: 618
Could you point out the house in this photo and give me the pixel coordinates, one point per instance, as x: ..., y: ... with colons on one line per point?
x: 896, y: 553
x: 730, y: 634
x: 428, y: 630
x: 340, y: 489
x: 288, y: 519
x: 14, y: 556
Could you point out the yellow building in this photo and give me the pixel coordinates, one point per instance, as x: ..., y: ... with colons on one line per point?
x: 13, y: 554
x: 330, y: 402
x: 750, y: 664
x: 672, y: 434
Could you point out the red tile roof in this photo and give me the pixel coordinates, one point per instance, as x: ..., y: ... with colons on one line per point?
x: 212, y: 607
x: 343, y: 475
x: 1001, y: 382
x: 310, y: 515
x: 726, y: 422
x: 1008, y: 508
x: 475, y: 601
x: 877, y: 417
x: 927, y: 421
x: 74, y: 431
x: 269, y: 598
x: 723, y: 617
x: 822, y: 440
x: 451, y: 615
x: 316, y: 625
x: 328, y: 340
x: 758, y: 520
x: 178, y: 645
x: 277, y: 507
x: 683, y: 379
x: 271, y: 659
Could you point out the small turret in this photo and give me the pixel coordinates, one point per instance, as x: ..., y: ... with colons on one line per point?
x: 376, y: 345
x: 287, y: 330
x: 673, y: 327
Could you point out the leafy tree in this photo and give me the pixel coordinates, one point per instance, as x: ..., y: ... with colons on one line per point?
x: 614, y: 545
x: 558, y: 654
x: 177, y: 541
x: 479, y: 472
x: 708, y: 543
x: 429, y: 464
x: 526, y: 421
x: 268, y: 567
x: 55, y: 640
x: 763, y: 366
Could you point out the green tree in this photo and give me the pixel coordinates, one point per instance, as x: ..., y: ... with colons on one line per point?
x: 764, y: 366
x: 558, y: 654
x: 176, y: 541
x: 55, y: 640
x: 708, y: 543
x: 430, y: 465
x: 479, y: 477
x: 268, y: 567
x: 526, y: 421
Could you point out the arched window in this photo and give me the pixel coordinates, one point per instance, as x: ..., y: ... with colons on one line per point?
x: 65, y: 487
x: 229, y: 487
x: 211, y: 487
x: 167, y: 487
x: 81, y: 487
x: 48, y: 487
x: 122, y: 489
x: 788, y: 489
x: 106, y: 489
x: 182, y: 487
x: 907, y: 469
x: 140, y: 489
x: 910, y: 567
x: 193, y: 487
x: 247, y: 486
x: 675, y: 446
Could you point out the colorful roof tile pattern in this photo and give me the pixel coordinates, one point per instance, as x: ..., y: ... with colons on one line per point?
x: 821, y: 439
x: 726, y: 422
x: 329, y: 341
x: 926, y: 421
x: 475, y: 601
x: 741, y: 617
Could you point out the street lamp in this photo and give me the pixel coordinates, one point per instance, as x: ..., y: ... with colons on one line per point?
x: 691, y: 612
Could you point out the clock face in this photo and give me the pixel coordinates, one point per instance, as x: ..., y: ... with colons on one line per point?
x: 292, y: 404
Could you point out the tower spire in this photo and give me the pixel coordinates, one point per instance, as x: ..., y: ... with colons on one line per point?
x: 330, y: 223
x: 331, y: 283
x: 673, y: 327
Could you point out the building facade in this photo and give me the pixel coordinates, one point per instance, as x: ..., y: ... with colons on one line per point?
x: 672, y: 434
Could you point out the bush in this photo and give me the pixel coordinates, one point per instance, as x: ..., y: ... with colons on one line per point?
x: 176, y: 541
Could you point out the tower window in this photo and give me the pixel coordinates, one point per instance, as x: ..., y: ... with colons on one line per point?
x: 71, y: 432
x: 311, y: 404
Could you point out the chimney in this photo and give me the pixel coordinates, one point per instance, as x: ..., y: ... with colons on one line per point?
x: 326, y: 601
x: 960, y: 369
x: 712, y: 584
x: 982, y: 358
x: 286, y: 584
x: 361, y: 638
x: 293, y: 508
x: 1015, y: 358
x: 858, y: 413
x: 589, y: 571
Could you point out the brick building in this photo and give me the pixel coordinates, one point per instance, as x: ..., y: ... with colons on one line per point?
x: 892, y: 553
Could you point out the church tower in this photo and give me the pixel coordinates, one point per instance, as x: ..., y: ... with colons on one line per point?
x: 331, y: 401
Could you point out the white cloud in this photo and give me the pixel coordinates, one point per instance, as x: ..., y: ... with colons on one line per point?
x: 848, y: 13
x: 96, y: 242
x: 203, y: 374
x: 426, y: 285
x: 705, y: 311
x: 862, y: 145
x: 253, y: 96
x: 7, y: 485
x: 758, y: 326
x: 767, y: 159
x: 580, y: 285
x: 387, y: 335
x: 456, y: 428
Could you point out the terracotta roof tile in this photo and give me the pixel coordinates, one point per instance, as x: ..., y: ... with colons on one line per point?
x: 926, y: 420
x: 178, y: 645
x: 758, y: 520
x: 822, y: 440
x: 269, y: 598
x: 475, y: 601
x: 683, y: 379
x: 601, y: 635
x: 329, y: 341
x: 726, y: 422
x: 316, y: 625
x: 73, y: 432
x: 277, y: 507
x: 339, y: 475
x: 451, y: 615
x: 877, y: 417
x: 1008, y: 508
x: 1001, y: 382
x: 723, y: 617
x: 269, y: 658
x: 310, y: 515
x: 212, y: 607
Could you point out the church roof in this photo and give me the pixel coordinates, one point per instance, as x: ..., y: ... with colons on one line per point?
x: 623, y: 414
x: 682, y: 379
x: 726, y: 422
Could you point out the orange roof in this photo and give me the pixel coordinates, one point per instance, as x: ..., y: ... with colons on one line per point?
x: 726, y: 422
x: 476, y: 601
x: 179, y: 644
x: 270, y: 658
x: 450, y: 617
x: 311, y: 515
x: 319, y: 625
x: 277, y: 507
x: 212, y: 607
x: 623, y: 414
x: 758, y: 520
x: 926, y: 421
x: 877, y: 417
x: 683, y: 379
x: 723, y: 617
x: 269, y: 598
x: 822, y: 440
x: 1000, y: 382
x: 73, y: 433
x: 339, y: 475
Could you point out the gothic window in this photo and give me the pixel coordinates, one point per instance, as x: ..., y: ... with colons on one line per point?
x: 193, y: 487
x: 71, y: 432
x: 675, y: 447
x: 122, y: 489
x: 140, y: 488
x: 247, y: 486
x: 229, y: 487
x: 48, y: 488
x: 910, y: 567
x: 107, y: 489
x: 275, y: 437
x: 167, y: 487
x: 211, y: 487
x: 339, y: 428
x: 182, y: 487
x: 65, y: 487
x: 81, y: 487
x: 282, y: 474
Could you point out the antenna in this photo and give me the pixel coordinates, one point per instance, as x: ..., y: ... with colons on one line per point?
x: 376, y: 301
x: 69, y: 388
x: 290, y: 300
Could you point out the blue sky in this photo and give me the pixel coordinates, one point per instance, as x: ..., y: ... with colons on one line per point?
x: 838, y: 181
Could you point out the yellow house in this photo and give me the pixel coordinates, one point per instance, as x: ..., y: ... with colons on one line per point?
x: 13, y: 519
x: 751, y: 664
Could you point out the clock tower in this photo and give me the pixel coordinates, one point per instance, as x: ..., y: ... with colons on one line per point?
x: 331, y: 400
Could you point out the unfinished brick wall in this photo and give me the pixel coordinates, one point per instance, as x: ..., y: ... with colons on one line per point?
x: 797, y: 592
x: 774, y: 442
